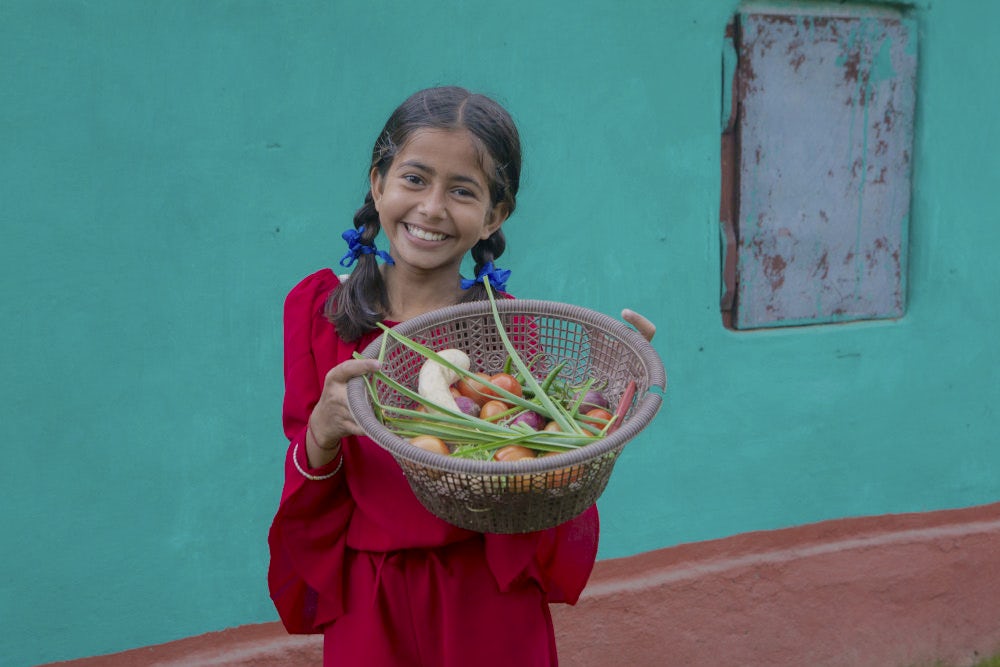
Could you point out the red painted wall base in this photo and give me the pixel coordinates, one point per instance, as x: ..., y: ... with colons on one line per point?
x: 900, y: 590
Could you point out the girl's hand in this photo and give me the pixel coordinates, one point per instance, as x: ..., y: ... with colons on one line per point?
x: 331, y: 419
x: 642, y: 325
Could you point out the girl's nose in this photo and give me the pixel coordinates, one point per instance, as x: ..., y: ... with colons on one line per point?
x: 433, y: 203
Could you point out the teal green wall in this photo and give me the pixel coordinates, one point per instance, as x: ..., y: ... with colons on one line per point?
x: 172, y: 167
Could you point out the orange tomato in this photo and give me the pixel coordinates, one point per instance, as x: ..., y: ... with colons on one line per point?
x: 491, y: 409
x: 557, y: 479
x: 431, y: 444
x: 505, y: 381
x: 473, y: 389
x: 516, y: 483
x: 513, y: 453
x: 598, y: 417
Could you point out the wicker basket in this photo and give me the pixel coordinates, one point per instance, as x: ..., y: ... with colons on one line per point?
x: 528, y: 495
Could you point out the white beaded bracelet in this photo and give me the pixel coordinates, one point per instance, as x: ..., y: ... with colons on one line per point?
x: 315, y: 478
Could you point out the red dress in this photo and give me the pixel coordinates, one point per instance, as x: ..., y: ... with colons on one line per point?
x: 358, y: 558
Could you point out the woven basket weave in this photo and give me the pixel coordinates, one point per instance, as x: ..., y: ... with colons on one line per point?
x: 533, y: 494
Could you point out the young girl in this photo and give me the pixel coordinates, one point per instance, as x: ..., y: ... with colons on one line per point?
x: 354, y: 554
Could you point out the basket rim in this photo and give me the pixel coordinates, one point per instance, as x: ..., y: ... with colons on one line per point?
x: 648, y: 404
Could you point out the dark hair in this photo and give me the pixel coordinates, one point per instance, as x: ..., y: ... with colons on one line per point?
x: 362, y: 301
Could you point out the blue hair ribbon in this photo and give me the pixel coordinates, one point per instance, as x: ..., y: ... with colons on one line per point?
x: 498, y: 277
x: 356, y: 248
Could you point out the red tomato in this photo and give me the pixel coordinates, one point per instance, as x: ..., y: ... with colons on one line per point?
x: 491, y: 409
x: 505, y: 381
x: 472, y: 389
x: 430, y: 444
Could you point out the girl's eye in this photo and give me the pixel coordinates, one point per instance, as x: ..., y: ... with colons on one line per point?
x: 467, y: 193
x: 413, y: 179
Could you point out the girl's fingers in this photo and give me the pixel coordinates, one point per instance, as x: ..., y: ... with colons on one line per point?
x: 332, y: 418
x: 351, y: 368
x: 641, y: 324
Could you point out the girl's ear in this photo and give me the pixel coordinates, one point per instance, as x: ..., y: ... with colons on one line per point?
x: 377, y: 186
x: 494, y: 219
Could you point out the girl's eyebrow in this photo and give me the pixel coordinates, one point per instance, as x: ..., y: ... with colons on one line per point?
x: 417, y: 164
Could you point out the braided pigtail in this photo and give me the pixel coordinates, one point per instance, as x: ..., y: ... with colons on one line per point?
x: 362, y: 300
x: 486, y: 251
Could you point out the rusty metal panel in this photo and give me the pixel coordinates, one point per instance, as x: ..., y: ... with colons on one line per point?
x: 824, y: 132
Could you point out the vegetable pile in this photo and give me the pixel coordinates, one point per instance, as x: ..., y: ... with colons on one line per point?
x: 518, y: 412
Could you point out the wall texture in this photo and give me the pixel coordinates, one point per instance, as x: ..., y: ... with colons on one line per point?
x: 172, y: 167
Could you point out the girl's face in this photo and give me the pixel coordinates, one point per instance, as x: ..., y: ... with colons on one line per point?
x: 434, y: 201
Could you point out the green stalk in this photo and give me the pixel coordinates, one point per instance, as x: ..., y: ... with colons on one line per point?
x: 428, y: 353
x: 476, y: 435
x: 556, y: 412
x: 551, y: 377
x: 441, y: 414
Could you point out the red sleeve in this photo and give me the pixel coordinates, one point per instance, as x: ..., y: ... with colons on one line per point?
x: 307, y: 536
x: 566, y: 556
x: 560, y: 559
x: 302, y: 383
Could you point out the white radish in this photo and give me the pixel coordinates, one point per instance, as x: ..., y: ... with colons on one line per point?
x: 435, y: 379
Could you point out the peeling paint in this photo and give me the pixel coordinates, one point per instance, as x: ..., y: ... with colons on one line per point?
x: 824, y: 131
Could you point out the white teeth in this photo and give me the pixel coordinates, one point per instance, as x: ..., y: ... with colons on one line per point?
x: 425, y: 235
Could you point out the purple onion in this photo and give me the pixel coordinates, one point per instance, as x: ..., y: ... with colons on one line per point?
x: 467, y: 405
x: 532, y: 419
x: 593, y: 399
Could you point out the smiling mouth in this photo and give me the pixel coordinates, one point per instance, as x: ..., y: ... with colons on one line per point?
x: 425, y: 235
